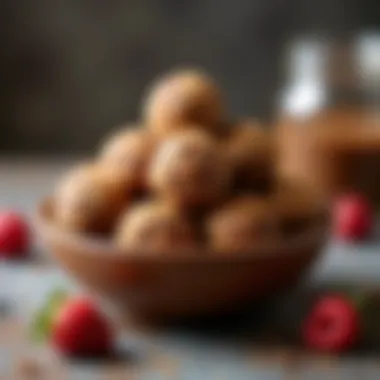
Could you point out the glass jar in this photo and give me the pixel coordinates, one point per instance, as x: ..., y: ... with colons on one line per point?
x: 328, y: 126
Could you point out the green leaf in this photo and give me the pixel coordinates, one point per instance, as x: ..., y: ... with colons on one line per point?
x: 42, y: 321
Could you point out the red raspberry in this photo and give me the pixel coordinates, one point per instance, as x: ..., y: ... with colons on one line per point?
x: 352, y: 218
x: 81, y: 329
x: 14, y: 234
x: 332, y: 326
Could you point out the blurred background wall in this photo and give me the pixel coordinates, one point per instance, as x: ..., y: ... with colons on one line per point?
x: 70, y: 70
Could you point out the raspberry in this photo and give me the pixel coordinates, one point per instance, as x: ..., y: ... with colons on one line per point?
x: 80, y: 329
x: 332, y: 325
x: 352, y: 218
x: 14, y: 235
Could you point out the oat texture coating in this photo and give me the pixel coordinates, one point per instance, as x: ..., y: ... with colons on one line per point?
x: 190, y: 169
x: 127, y: 154
x: 88, y: 199
x: 182, y: 98
x: 241, y: 225
x: 154, y: 227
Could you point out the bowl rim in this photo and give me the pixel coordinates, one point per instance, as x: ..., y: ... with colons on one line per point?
x: 97, y: 246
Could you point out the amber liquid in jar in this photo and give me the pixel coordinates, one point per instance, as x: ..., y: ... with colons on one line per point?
x: 329, y: 128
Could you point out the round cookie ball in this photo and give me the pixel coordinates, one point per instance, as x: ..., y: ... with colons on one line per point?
x: 127, y: 154
x: 241, y: 225
x: 296, y: 206
x: 190, y: 169
x: 183, y: 98
x: 88, y: 199
x: 250, y: 149
x: 155, y: 228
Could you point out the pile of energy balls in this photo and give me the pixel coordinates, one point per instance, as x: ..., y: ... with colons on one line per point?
x: 185, y: 180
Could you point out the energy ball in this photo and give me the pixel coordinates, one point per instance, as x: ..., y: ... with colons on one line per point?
x: 296, y: 206
x: 127, y: 154
x: 250, y: 150
x: 189, y: 169
x: 88, y: 200
x: 241, y: 225
x: 155, y: 228
x: 183, y: 98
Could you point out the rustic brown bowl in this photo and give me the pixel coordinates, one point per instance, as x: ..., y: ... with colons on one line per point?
x: 180, y: 286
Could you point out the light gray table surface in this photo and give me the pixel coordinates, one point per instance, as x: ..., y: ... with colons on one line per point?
x: 24, y: 181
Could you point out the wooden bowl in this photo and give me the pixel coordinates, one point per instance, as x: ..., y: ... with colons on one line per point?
x: 192, y: 285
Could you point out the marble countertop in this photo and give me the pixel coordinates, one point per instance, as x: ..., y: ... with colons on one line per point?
x: 172, y: 354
